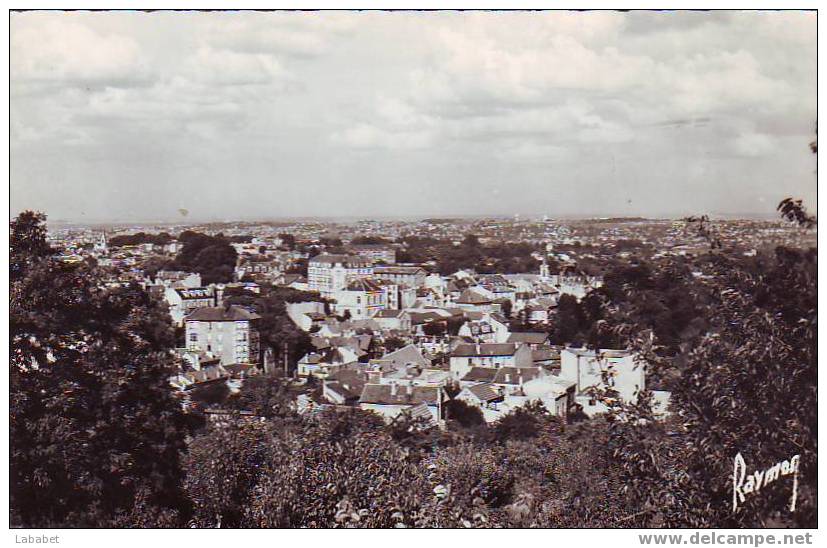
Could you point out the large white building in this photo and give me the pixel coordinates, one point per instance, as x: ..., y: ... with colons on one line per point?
x: 328, y: 273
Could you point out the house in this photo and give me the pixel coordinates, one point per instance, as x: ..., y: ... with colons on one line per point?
x: 390, y: 400
x: 324, y: 363
x: 328, y: 273
x: 361, y: 298
x: 555, y: 393
x: 498, y: 285
x: 478, y: 375
x: 478, y: 331
x: 493, y: 355
x: 184, y: 301
x: 402, y: 358
x: 376, y: 253
x: 392, y: 319
x: 480, y: 395
x: 547, y: 357
x: 410, y: 276
x: 474, y: 299
x: 510, y: 380
x: 534, y: 339
x: 229, y: 333
x: 588, y: 368
x: 345, y: 386
x: 183, y: 279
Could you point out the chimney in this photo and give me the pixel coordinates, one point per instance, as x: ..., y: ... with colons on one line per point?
x: 479, y: 350
x: 507, y: 378
x: 409, y: 389
x: 393, y: 389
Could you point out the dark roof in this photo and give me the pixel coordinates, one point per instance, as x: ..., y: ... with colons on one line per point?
x: 398, y: 270
x: 480, y: 374
x: 528, y: 337
x: 363, y: 285
x: 352, y: 380
x: 485, y: 392
x: 222, y: 314
x: 515, y: 375
x: 489, y: 349
x: 545, y: 353
x: 405, y: 395
x: 469, y: 296
x: 344, y: 391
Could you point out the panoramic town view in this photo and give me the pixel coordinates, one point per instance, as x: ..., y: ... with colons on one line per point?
x: 500, y: 297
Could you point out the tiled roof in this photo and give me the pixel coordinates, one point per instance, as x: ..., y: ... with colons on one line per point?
x: 398, y: 270
x: 405, y: 395
x: 222, y: 314
x: 489, y: 349
x: 528, y: 337
x: 480, y: 374
x: 515, y: 375
x: 485, y: 392
x: 469, y: 296
x: 364, y: 285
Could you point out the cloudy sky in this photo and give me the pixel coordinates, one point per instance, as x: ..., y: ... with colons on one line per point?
x: 132, y: 116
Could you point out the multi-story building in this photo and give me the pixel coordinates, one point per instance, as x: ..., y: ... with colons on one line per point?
x: 327, y: 273
x: 377, y: 253
x: 411, y: 276
x: 492, y: 355
x: 183, y: 301
x: 362, y: 298
x: 228, y: 333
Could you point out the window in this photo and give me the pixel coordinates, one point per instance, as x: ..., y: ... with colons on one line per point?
x: 193, y: 337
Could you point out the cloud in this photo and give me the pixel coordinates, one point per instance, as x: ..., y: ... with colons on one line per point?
x: 305, y: 109
x: 60, y: 50
x: 369, y: 136
x: 306, y: 36
x: 753, y: 144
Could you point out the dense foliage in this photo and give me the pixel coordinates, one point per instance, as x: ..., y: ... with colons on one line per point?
x: 139, y: 238
x: 496, y: 258
x: 211, y: 256
x: 95, y: 433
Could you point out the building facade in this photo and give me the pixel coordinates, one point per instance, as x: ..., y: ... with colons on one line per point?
x: 228, y: 333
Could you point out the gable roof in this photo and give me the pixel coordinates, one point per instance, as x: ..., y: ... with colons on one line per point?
x: 486, y: 349
x: 469, y: 296
x: 528, y: 337
x: 405, y: 355
x: 480, y: 374
x: 383, y: 394
x: 515, y: 375
x: 485, y: 392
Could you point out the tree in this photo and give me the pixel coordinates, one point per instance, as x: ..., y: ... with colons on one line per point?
x: 745, y: 385
x: 95, y: 433
x: 211, y: 256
